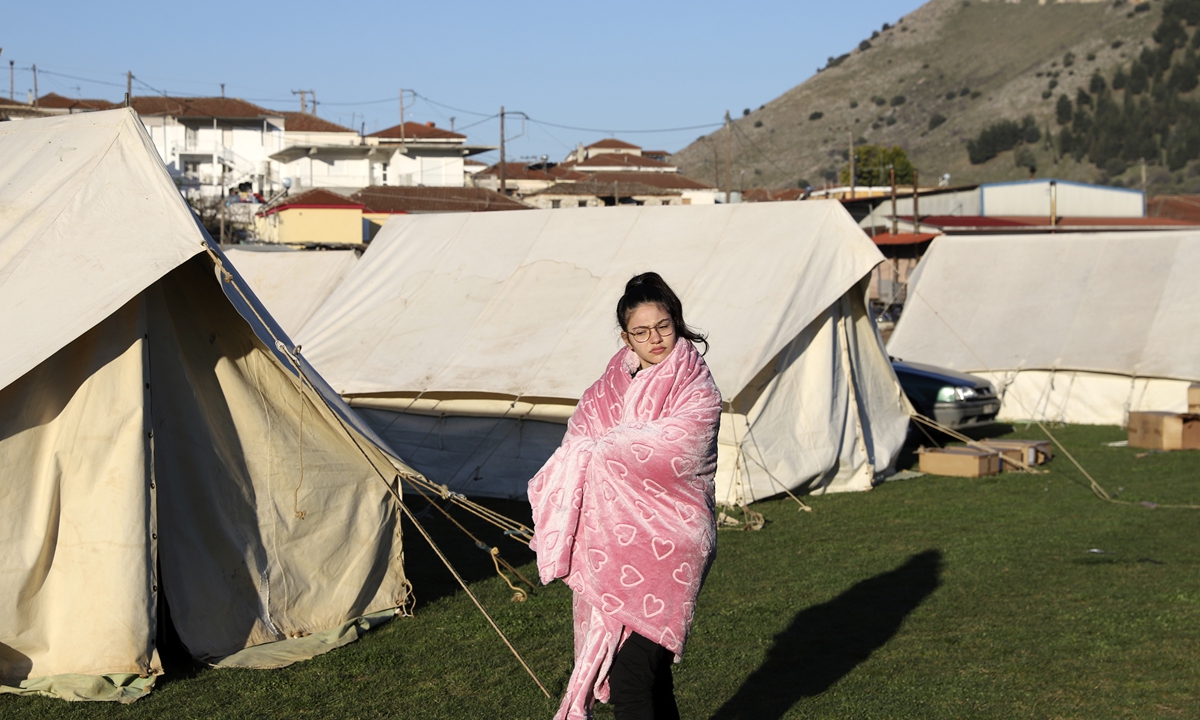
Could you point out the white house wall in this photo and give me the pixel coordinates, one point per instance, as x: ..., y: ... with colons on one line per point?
x: 1074, y: 200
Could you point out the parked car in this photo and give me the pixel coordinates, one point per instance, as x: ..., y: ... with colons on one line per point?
x: 952, y: 398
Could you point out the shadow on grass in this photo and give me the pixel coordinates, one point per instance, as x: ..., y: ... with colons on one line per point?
x: 824, y: 643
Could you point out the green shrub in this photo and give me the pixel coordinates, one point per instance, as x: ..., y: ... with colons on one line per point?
x: 936, y: 121
x: 816, y: 115
x: 1064, y: 110
x: 999, y: 137
x: 1068, y: 59
x: 951, y: 95
x: 898, y: 100
x: 880, y: 101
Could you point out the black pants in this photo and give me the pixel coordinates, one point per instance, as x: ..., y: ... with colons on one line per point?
x: 640, y: 683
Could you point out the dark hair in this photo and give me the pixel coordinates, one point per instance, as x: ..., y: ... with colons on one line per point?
x: 651, y: 288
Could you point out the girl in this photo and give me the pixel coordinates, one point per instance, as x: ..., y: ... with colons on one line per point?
x: 624, y: 509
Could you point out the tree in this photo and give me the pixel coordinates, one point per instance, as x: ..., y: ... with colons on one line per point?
x: 1064, y: 109
x: 1097, y: 84
x: 872, y: 163
x: 1139, y: 78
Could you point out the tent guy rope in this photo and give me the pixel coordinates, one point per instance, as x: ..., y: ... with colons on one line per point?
x: 291, y: 355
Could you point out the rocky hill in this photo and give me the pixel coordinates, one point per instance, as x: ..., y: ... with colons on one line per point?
x: 933, y: 82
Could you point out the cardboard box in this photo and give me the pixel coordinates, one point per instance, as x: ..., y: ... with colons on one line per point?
x: 1164, y: 430
x: 959, y: 461
x: 1194, y: 399
x: 1030, y: 452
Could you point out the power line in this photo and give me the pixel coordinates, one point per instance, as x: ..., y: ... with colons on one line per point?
x: 610, y: 131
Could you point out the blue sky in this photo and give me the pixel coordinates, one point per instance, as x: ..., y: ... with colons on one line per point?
x: 599, y: 69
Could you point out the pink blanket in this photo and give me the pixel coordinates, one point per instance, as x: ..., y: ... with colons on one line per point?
x: 623, y: 511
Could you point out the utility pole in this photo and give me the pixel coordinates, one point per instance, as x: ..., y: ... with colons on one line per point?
x: 313, y: 94
x: 1143, y: 161
x: 895, y: 219
x: 916, y: 207
x: 10, y: 80
x: 35, y: 90
x: 129, y: 88
x: 221, y: 207
x: 728, y: 176
x: 852, y: 171
x: 302, y: 94
x: 503, y: 183
x: 402, y: 138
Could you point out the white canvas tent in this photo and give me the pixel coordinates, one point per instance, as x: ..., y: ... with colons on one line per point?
x: 1078, y: 328
x: 466, y: 339
x: 291, y: 283
x: 157, y: 438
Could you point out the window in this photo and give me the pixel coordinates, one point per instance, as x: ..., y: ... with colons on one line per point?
x: 556, y: 203
x: 583, y: 203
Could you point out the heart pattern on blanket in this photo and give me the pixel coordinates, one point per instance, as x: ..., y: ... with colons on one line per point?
x: 556, y: 497
x: 647, y: 512
x: 668, y: 639
x: 683, y: 574
x: 641, y: 452
x: 652, y: 605
x: 625, y: 533
x: 653, y: 488
x: 662, y: 547
x: 681, y: 466
x: 611, y: 603
x: 674, y: 433
x: 610, y: 493
x: 617, y: 469
x: 687, y: 513
x: 630, y: 576
x: 597, y: 558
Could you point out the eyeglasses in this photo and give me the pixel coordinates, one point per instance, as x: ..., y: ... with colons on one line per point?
x: 665, y: 328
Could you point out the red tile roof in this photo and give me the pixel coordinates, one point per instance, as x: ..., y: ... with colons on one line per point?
x: 619, y: 159
x: 669, y: 181
x: 515, y: 171
x: 561, y: 172
x: 212, y: 107
x: 54, y: 101
x: 315, y: 198
x: 608, y: 189
x: 613, y: 144
x: 305, y: 122
x: 904, y: 238
x: 1175, y: 207
x: 417, y: 131
x: 388, y: 199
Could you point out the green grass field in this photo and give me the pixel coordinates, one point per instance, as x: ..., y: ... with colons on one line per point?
x: 925, y: 598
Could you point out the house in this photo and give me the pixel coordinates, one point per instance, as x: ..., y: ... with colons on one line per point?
x: 412, y: 154
x: 16, y: 110
x: 594, y: 193
x: 210, y: 144
x: 608, y: 172
x: 313, y: 217
x: 320, y: 154
x: 55, y: 104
